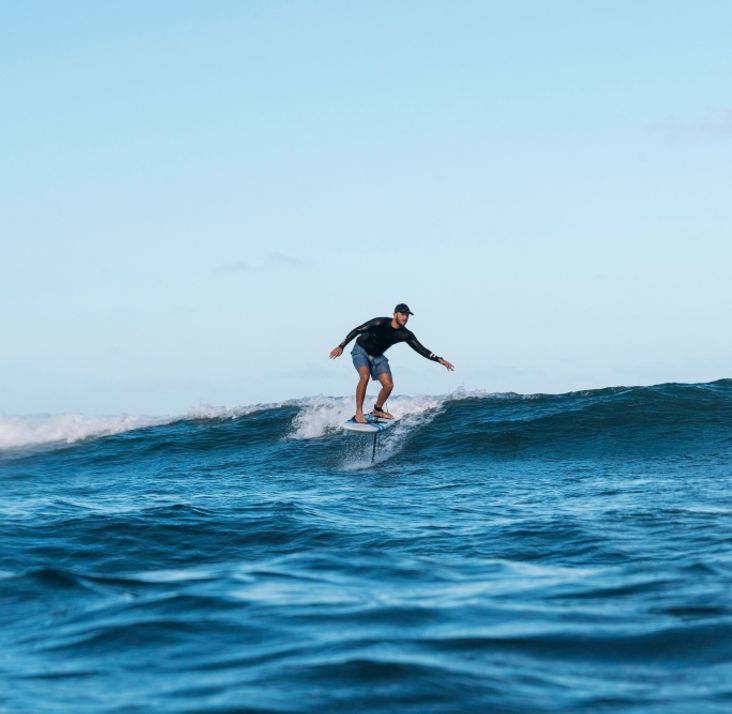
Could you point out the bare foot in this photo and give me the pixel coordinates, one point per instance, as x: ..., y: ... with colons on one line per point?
x: 359, y: 418
x: 381, y: 414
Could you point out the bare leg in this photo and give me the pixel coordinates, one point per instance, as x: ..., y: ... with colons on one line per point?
x: 387, y: 384
x: 363, y: 382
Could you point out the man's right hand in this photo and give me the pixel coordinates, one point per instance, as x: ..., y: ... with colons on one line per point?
x: 336, y: 352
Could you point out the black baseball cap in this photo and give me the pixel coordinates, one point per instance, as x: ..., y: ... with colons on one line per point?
x: 401, y: 307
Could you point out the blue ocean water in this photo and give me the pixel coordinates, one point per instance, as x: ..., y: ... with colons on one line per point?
x: 504, y: 553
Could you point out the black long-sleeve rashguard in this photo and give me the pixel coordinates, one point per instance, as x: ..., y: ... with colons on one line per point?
x: 377, y: 335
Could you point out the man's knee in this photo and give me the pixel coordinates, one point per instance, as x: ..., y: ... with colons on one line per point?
x: 387, y: 382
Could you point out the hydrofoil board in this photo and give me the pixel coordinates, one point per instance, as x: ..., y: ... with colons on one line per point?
x: 373, y: 424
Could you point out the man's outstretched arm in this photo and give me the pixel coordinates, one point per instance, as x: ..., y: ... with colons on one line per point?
x: 338, y: 351
x: 418, y: 347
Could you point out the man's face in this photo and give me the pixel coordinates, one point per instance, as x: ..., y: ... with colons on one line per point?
x: 402, y: 318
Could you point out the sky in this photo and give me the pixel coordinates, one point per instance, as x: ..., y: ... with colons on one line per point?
x: 198, y: 200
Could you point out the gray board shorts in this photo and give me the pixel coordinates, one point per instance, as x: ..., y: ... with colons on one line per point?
x: 376, y: 365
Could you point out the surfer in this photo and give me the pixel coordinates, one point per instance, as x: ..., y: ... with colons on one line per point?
x: 374, y: 338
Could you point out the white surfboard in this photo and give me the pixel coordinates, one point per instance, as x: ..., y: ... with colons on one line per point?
x: 373, y: 426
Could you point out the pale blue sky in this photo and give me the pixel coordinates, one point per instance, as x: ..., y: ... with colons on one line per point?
x: 198, y: 200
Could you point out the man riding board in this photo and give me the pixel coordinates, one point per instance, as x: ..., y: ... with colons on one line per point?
x: 374, y: 338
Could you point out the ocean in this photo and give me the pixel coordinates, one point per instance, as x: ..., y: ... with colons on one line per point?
x: 503, y: 553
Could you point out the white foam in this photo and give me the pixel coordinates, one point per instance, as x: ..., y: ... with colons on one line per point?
x: 17, y: 431
x: 319, y: 416
x: 34, y: 430
x: 209, y: 411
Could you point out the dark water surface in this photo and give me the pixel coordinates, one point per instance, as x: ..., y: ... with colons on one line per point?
x: 567, y: 553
